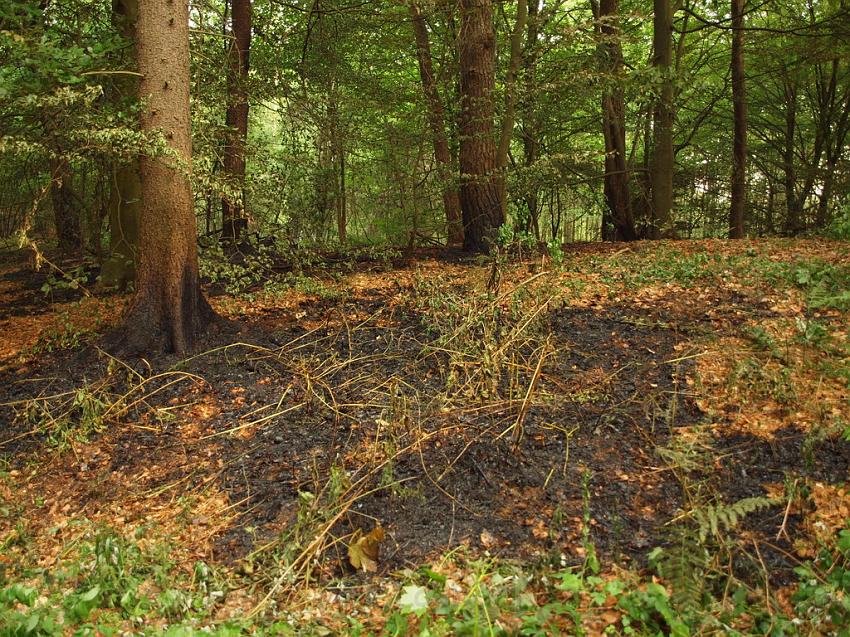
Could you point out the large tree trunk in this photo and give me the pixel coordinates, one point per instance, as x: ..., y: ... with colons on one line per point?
x: 616, y: 183
x: 739, y: 105
x: 125, y: 194
x: 479, y: 193
x: 234, y: 220
x: 663, y: 155
x: 436, y: 119
x: 168, y: 312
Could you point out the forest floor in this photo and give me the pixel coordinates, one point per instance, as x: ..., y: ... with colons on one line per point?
x: 625, y: 440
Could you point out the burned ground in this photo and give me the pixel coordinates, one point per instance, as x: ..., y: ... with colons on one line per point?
x: 360, y: 406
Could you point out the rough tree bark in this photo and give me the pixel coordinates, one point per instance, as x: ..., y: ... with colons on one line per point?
x: 168, y: 311
x: 616, y: 182
x: 125, y: 194
x: 479, y: 192
x: 739, y: 106
x: 234, y: 220
x: 436, y: 119
x: 662, y: 153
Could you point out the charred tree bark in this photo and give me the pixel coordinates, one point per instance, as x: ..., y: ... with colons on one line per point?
x: 234, y: 220
x: 663, y: 156
x: 480, y: 199
x: 436, y: 119
x: 125, y: 194
x: 739, y: 106
x: 616, y: 183
x: 168, y: 312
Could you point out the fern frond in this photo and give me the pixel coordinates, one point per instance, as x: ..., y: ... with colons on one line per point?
x: 720, y: 518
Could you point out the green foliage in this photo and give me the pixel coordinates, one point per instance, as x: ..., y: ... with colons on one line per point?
x: 717, y: 519
x: 65, y: 336
x: 839, y: 227
x: 827, y: 286
x: 75, y: 279
x: 104, y: 584
x: 823, y: 597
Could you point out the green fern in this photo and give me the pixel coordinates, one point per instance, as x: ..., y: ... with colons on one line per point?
x: 683, y: 566
x: 715, y: 519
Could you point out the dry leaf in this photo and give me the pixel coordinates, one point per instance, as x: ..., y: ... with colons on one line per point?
x: 487, y: 539
x: 363, y: 550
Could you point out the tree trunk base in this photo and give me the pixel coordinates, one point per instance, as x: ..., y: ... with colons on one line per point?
x: 148, y: 328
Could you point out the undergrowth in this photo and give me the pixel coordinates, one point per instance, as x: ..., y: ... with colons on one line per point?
x: 106, y: 583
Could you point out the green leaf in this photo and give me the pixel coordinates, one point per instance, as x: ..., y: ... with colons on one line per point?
x: 414, y: 599
x: 570, y: 582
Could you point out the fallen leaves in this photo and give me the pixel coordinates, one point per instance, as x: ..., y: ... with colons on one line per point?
x: 364, y: 550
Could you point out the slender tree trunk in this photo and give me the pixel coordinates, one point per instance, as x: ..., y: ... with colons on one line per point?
x: 739, y: 105
x: 234, y: 220
x: 793, y: 210
x: 66, y: 218
x: 479, y: 193
x: 663, y: 155
x: 168, y: 312
x: 341, y: 221
x: 125, y: 192
x: 436, y: 119
x: 530, y: 125
x: 840, y: 127
x: 509, y: 115
x: 769, y: 212
x: 616, y: 183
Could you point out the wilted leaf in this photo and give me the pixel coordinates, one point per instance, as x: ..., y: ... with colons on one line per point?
x: 364, y: 550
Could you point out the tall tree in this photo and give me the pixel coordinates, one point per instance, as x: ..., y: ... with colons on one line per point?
x: 508, y: 116
x: 234, y: 220
x: 125, y: 187
x: 618, y: 224
x: 739, y: 106
x: 480, y: 199
x: 168, y: 311
x: 530, y: 124
x: 793, y: 202
x: 436, y: 120
x: 662, y: 152
x: 66, y: 217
